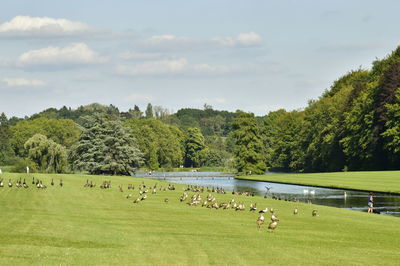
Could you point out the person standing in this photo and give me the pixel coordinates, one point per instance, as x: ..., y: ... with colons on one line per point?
x: 370, y: 203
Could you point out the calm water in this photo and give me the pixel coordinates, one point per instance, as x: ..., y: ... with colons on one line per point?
x: 384, y: 203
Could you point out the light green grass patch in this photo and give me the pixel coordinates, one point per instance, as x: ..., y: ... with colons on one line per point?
x: 378, y: 181
x: 73, y: 225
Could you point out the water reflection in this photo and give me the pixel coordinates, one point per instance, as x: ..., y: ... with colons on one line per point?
x: 355, y: 200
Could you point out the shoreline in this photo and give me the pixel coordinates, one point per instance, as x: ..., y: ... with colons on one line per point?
x: 319, y: 186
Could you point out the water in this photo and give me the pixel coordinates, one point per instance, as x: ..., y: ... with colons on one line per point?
x: 384, y: 203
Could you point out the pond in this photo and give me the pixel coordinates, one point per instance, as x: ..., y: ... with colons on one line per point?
x: 386, y: 204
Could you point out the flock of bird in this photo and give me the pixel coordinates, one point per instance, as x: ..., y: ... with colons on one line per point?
x: 195, y: 199
x: 23, y: 184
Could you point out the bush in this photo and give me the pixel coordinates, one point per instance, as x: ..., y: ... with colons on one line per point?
x: 21, y: 164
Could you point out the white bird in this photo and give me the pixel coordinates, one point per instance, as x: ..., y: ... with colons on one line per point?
x: 264, y: 211
x: 305, y: 191
x: 312, y: 192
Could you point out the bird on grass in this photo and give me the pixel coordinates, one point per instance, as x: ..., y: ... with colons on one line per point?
x: 264, y: 211
x: 10, y: 183
x: 61, y: 183
x: 129, y: 196
x: 295, y: 211
x: 260, y: 221
x: 136, y: 200
x: 253, y: 207
x: 314, y: 213
x: 1, y: 183
x: 52, y: 182
x: 273, y: 224
x: 166, y: 200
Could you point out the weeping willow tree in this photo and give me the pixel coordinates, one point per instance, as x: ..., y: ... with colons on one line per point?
x: 49, y: 156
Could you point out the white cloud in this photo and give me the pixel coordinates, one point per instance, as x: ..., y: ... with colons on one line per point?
x: 74, y: 54
x: 129, y: 55
x: 242, y: 39
x: 17, y: 82
x: 174, y: 67
x: 167, y: 66
x: 135, y: 97
x: 26, y: 26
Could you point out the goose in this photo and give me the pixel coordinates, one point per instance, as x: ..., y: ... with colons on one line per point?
x: 264, y: 211
x: 272, y: 225
x: 129, y: 196
x: 1, y: 183
x: 314, y: 213
x: 52, y: 182
x: 10, y: 183
x: 295, y: 211
x: 136, y: 200
x: 271, y: 210
x: 166, y: 200
x: 61, y: 183
x: 144, y: 197
x: 33, y: 180
x: 260, y: 221
x: 120, y: 188
x: 253, y: 207
x: 274, y: 218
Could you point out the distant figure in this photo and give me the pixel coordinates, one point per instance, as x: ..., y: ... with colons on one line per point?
x: 370, y: 203
x: 27, y: 169
x: 1, y: 172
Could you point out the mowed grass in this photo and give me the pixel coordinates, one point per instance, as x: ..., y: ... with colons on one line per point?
x: 73, y: 225
x: 378, y: 181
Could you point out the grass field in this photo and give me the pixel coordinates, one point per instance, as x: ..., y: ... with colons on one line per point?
x: 382, y: 181
x: 73, y: 225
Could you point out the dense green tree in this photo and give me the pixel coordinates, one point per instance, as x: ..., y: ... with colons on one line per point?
x: 106, y: 147
x: 49, y: 156
x: 194, y: 147
x: 160, y: 143
x: 6, y: 151
x: 249, y: 144
x: 62, y: 131
x: 149, y: 111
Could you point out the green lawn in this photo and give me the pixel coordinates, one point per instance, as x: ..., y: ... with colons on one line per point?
x: 382, y: 181
x: 73, y: 225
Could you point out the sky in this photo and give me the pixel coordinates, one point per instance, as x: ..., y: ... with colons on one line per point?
x: 253, y: 55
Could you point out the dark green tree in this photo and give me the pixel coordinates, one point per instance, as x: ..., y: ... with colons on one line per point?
x: 149, y: 111
x: 106, y: 147
x: 194, y: 147
x: 249, y: 144
x: 6, y: 152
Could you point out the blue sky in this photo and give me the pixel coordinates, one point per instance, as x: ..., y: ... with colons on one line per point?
x: 255, y: 56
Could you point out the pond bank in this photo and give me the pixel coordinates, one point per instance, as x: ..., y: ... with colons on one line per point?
x: 375, y: 181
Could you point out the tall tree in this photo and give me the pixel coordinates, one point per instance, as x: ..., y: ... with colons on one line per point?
x: 106, y: 147
x: 6, y: 151
x: 249, y: 147
x: 194, y: 147
x: 149, y: 111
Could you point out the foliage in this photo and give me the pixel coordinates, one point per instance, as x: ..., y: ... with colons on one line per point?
x: 62, y: 131
x: 20, y: 166
x: 106, y: 147
x: 249, y: 147
x: 194, y: 148
x: 161, y: 144
x: 6, y: 151
x: 49, y: 156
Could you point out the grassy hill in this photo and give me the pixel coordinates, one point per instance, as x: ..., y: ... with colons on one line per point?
x: 91, y: 226
x: 378, y: 181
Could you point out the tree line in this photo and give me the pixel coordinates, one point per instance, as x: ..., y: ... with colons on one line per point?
x: 354, y: 125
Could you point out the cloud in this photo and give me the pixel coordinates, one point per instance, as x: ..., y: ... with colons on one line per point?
x: 130, y: 55
x: 160, y: 67
x: 179, y: 66
x: 26, y: 26
x: 173, y: 42
x: 135, y: 97
x: 19, y: 82
x: 242, y: 39
x: 72, y: 55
